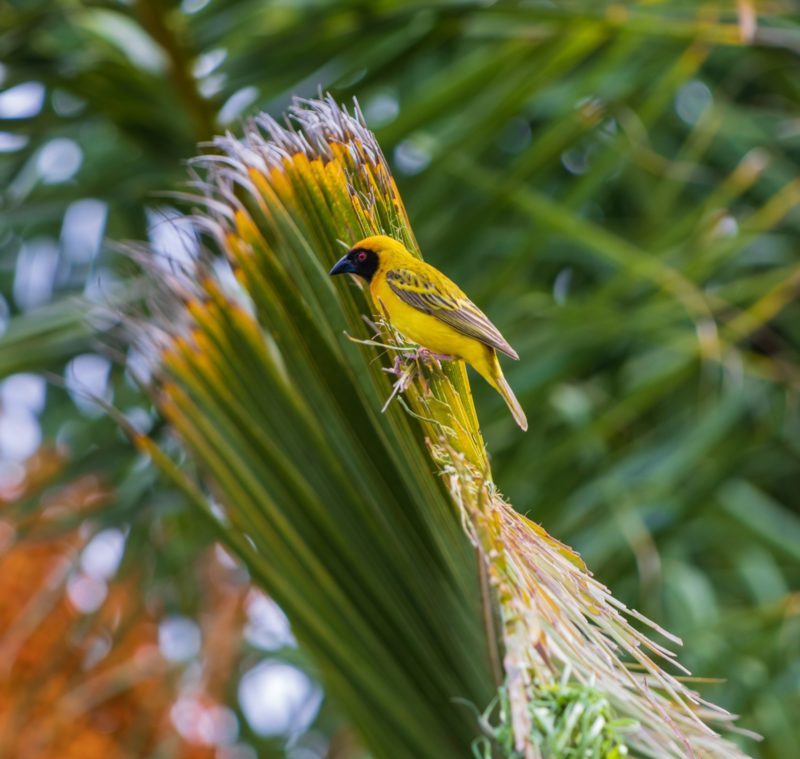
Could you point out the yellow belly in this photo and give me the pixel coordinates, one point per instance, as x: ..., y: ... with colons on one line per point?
x: 428, y: 331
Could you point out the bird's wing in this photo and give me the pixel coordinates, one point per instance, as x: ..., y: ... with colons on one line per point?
x: 449, y: 305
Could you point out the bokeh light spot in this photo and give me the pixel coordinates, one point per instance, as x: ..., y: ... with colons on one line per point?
x: 179, y: 639
x: 20, y: 434
x: 173, y: 239
x: 10, y: 142
x: 86, y: 378
x: 411, y: 156
x: 207, y: 62
x: 236, y: 104
x: 22, y: 101
x: 278, y: 699
x: 35, y: 273
x: 24, y: 390
x: 267, y: 626
x: 204, y: 724
x: 86, y: 593
x: 381, y: 109
x: 59, y: 160
x: 692, y: 99
x: 82, y: 229
x: 102, y: 555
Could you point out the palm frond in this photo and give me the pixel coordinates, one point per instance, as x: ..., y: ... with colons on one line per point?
x: 277, y: 203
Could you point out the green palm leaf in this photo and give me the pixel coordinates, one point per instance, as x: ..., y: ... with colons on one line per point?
x: 350, y: 528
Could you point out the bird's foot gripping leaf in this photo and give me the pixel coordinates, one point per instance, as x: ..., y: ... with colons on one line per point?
x: 407, y: 368
x: 408, y: 363
x: 428, y: 357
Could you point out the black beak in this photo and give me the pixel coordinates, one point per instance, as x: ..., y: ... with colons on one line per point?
x: 343, y: 266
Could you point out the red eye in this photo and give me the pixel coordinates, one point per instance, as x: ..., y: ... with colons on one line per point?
x: 362, y: 256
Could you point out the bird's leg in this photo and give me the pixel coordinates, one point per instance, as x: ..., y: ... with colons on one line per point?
x: 418, y: 358
x: 408, y: 367
x: 398, y: 364
x: 428, y: 356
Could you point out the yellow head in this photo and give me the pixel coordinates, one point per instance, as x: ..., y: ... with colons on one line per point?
x: 366, y: 256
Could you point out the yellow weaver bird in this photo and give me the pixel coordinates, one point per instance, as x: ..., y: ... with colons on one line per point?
x: 431, y: 310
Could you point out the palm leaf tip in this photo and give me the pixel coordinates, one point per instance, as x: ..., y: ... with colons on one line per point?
x: 284, y: 416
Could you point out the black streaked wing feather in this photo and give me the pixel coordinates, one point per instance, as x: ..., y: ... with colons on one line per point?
x: 457, y: 311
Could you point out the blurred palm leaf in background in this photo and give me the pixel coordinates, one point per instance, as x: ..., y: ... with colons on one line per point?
x: 628, y: 173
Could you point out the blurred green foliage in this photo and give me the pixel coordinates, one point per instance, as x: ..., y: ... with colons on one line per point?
x: 614, y: 183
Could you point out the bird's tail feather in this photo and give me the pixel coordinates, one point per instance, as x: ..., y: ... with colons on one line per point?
x: 511, y: 401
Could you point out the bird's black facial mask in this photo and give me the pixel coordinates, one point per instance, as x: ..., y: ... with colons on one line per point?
x: 357, y: 261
